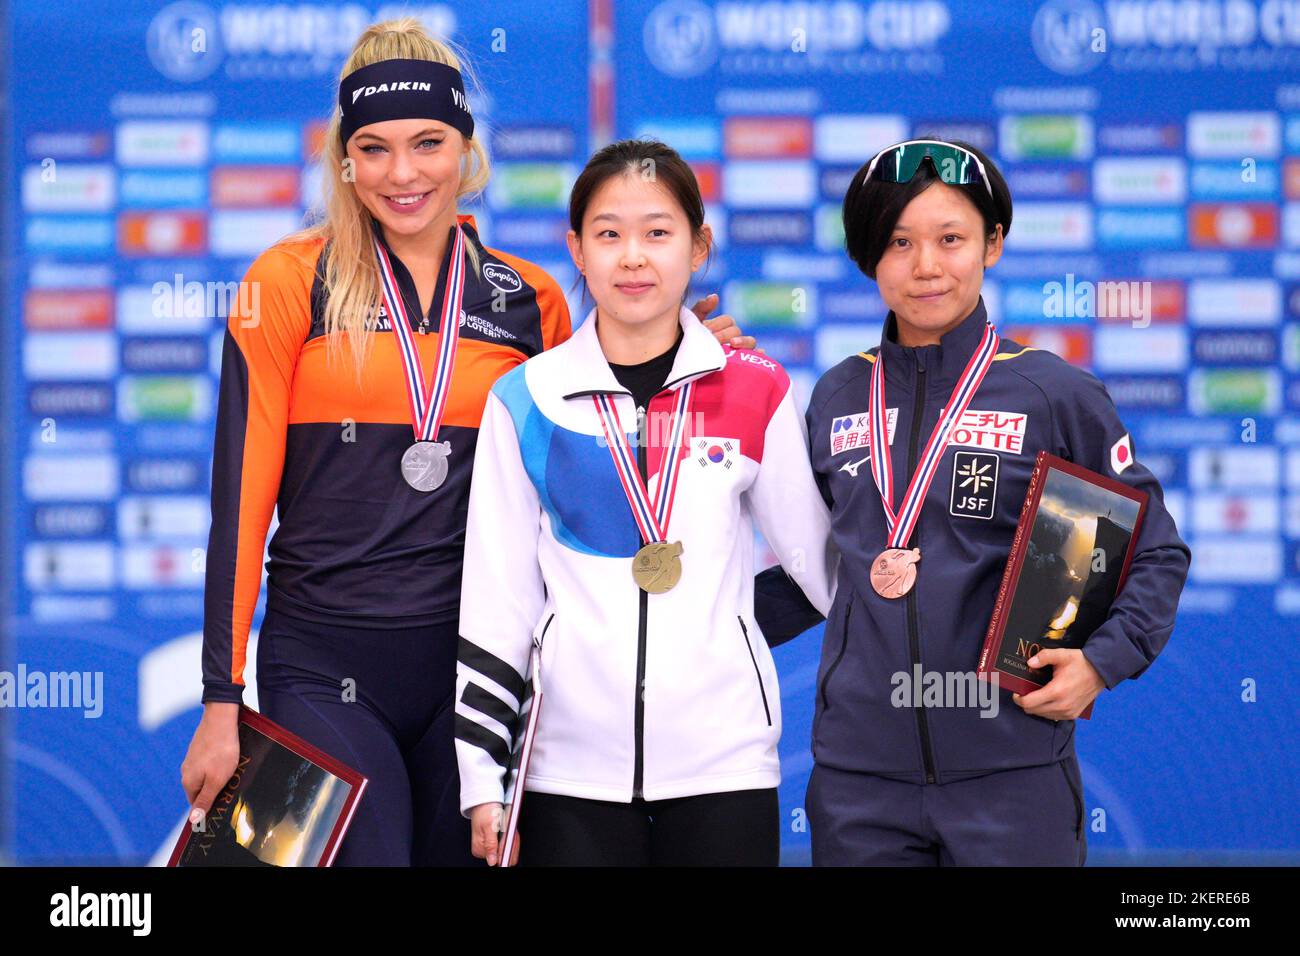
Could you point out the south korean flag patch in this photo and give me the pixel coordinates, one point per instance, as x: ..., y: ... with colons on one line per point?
x: 713, y: 453
x: 1121, y: 454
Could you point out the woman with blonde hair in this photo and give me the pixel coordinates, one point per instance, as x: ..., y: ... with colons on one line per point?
x: 350, y: 399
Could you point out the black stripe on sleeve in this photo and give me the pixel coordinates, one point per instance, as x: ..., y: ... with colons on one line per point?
x: 490, y: 705
x: 479, y: 736
x: 491, y: 667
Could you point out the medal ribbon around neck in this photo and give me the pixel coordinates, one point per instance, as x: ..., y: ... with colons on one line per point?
x: 428, y: 403
x: 900, y: 526
x: 651, y: 519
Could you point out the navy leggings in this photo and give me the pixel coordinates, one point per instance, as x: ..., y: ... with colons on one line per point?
x: 734, y: 828
x: 392, y: 722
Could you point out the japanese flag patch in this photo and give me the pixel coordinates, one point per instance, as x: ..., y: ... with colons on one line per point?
x: 1121, y: 454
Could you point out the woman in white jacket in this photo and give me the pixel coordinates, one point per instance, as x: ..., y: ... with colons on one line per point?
x: 616, y: 482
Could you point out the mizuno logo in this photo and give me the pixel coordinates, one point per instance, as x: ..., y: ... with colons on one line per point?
x: 852, y: 466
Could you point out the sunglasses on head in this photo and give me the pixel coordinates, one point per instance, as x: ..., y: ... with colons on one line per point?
x: 952, y: 164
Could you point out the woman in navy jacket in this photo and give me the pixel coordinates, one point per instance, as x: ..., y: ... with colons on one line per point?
x: 896, y: 779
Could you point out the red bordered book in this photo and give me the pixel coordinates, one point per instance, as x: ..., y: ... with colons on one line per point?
x: 517, y: 772
x: 288, y: 804
x: 1072, y: 549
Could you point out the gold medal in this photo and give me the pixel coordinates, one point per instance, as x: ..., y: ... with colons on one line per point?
x: 657, y: 567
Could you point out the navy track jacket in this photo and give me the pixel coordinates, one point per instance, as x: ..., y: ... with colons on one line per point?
x: 1029, y: 400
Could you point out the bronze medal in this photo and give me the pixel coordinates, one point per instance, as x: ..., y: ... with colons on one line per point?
x: 894, y: 571
x: 657, y: 567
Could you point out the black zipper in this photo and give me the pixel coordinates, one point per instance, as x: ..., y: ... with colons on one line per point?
x: 537, y: 642
x: 638, y: 768
x: 638, y: 772
x: 844, y: 643
x: 913, y: 627
x: 757, y: 673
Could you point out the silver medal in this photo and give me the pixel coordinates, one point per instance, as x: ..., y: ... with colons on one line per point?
x: 424, y: 465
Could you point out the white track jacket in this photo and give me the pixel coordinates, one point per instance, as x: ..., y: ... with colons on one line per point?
x: 548, y: 561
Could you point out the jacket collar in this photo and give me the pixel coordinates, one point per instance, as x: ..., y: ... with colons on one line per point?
x: 588, y: 371
x: 406, y: 285
x: 378, y: 229
x: 944, y: 361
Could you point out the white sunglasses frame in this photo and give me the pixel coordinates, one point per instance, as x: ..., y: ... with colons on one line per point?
x: 935, y: 142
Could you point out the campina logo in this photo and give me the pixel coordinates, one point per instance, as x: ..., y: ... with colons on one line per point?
x: 502, y: 277
x: 679, y: 38
x: 184, y: 42
x: 1062, y: 35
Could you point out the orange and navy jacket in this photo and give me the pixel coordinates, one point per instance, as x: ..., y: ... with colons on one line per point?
x: 355, y: 545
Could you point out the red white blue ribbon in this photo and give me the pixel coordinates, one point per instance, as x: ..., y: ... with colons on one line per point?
x: 651, y: 517
x: 428, y: 402
x: 900, y: 525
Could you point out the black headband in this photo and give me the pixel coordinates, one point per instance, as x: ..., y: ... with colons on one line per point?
x: 403, y: 89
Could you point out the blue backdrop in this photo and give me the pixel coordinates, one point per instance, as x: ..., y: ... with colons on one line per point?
x: 171, y: 143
